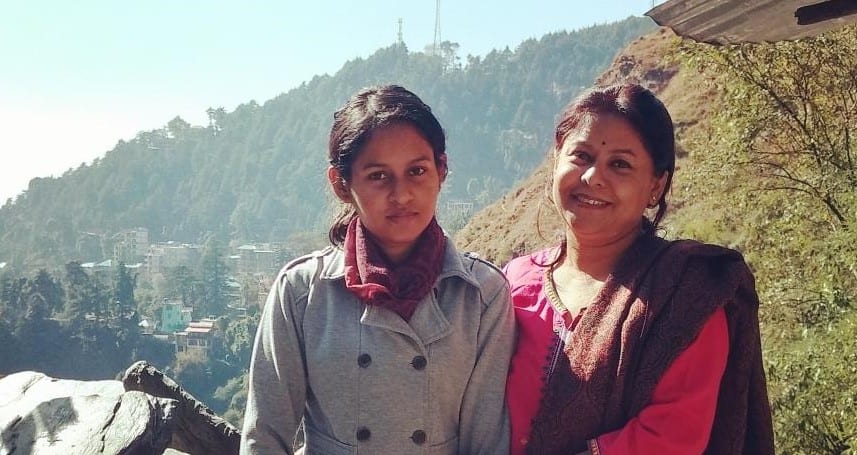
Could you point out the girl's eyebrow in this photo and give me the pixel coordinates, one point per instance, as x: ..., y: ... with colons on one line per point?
x: 414, y: 161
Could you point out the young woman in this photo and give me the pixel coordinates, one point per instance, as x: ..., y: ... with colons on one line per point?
x: 389, y: 341
x: 628, y: 343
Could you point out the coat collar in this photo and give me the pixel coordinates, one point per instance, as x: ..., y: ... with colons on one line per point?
x: 429, y: 322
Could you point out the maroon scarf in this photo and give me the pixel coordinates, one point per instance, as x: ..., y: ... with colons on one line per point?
x: 399, y: 288
x: 648, y: 312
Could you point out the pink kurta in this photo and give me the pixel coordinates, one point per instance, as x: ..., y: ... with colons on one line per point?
x: 677, y: 420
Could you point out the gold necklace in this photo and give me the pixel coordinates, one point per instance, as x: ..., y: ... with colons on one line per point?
x: 550, y: 291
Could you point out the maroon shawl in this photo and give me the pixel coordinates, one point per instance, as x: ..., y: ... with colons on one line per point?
x: 649, y: 310
x: 369, y: 275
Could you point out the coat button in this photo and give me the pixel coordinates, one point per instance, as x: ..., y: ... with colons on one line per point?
x: 419, y: 362
x: 364, y: 360
x: 419, y: 437
x: 363, y: 434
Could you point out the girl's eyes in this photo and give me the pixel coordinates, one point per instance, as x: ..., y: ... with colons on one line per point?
x: 383, y: 175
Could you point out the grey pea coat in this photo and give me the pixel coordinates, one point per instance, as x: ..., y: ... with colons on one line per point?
x: 363, y: 380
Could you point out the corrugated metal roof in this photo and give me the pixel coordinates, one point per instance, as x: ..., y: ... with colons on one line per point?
x: 736, y: 21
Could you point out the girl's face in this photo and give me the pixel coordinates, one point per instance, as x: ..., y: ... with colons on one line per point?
x: 603, y: 180
x: 394, y: 187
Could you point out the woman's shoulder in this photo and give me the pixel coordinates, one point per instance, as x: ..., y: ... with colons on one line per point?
x: 713, y: 266
x: 528, y: 267
x: 697, y: 253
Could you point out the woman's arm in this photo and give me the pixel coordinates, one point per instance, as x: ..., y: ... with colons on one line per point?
x: 277, y: 394
x: 484, y: 424
x: 679, y: 418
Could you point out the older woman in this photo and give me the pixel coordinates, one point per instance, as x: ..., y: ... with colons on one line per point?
x: 629, y: 343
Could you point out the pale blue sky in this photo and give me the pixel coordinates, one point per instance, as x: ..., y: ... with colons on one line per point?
x: 75, y: 77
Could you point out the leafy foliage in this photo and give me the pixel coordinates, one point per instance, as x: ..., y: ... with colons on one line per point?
x: 774, y: 175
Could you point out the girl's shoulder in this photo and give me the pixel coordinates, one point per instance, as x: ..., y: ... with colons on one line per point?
x: 310, y: 266
x: 482, y: 272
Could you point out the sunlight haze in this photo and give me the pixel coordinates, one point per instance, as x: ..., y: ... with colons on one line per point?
x: 76, y: 77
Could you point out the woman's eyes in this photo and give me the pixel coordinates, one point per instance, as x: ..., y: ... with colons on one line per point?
x: 622, y: 164
x: 379, y: 175
x: 580, y: 156
x: 417, y: 171
x: 583, y: 157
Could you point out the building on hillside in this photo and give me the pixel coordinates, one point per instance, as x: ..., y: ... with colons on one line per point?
x: 164, y: 256
x: 131, y: 245
x: 254, y: 260
x: 101, y: 270
x: 198, y: 336
x: 104, y: 270
x: 174, y: 316
x: 146, y: 327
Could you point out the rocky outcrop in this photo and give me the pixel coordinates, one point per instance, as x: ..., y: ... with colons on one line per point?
x: 198, y: 429
x: 146, y: 413
x: 44, y: 415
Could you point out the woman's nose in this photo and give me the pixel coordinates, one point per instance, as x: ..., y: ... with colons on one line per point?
x: 591, y: 176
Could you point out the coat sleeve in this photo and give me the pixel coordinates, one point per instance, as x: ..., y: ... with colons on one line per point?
x: 679, y: 418
x: 484, y: 420
x: 277, y: 392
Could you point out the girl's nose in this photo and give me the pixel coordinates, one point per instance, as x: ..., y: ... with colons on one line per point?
x: 401, y: 193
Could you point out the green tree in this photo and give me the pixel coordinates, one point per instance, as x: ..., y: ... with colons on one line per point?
x: 774, y: 176
x: 123, y: 291
x: 214, y: 275
x: 782, y: 144
x: 182, y: 283
x: 80, y: 291
x: 125, y: 313
x: 177, y: 127
x: 49, y: 289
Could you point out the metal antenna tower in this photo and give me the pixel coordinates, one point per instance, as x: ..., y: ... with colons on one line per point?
x: 401, y: 41
x: 436, y: 44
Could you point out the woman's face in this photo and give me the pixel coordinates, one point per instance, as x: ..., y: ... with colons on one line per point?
x: 394, y: 187
x: 603, y: 180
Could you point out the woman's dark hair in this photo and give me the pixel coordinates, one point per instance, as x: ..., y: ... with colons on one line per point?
x: 367, y: 111
x: 644, y: 112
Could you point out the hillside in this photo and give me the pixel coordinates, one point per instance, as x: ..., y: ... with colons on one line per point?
x: 766, y: 166
x: 256, y: 174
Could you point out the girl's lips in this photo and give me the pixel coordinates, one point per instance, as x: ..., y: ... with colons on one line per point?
x: 402, y: 215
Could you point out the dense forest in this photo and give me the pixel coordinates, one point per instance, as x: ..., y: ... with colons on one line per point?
x: 256, y: 174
